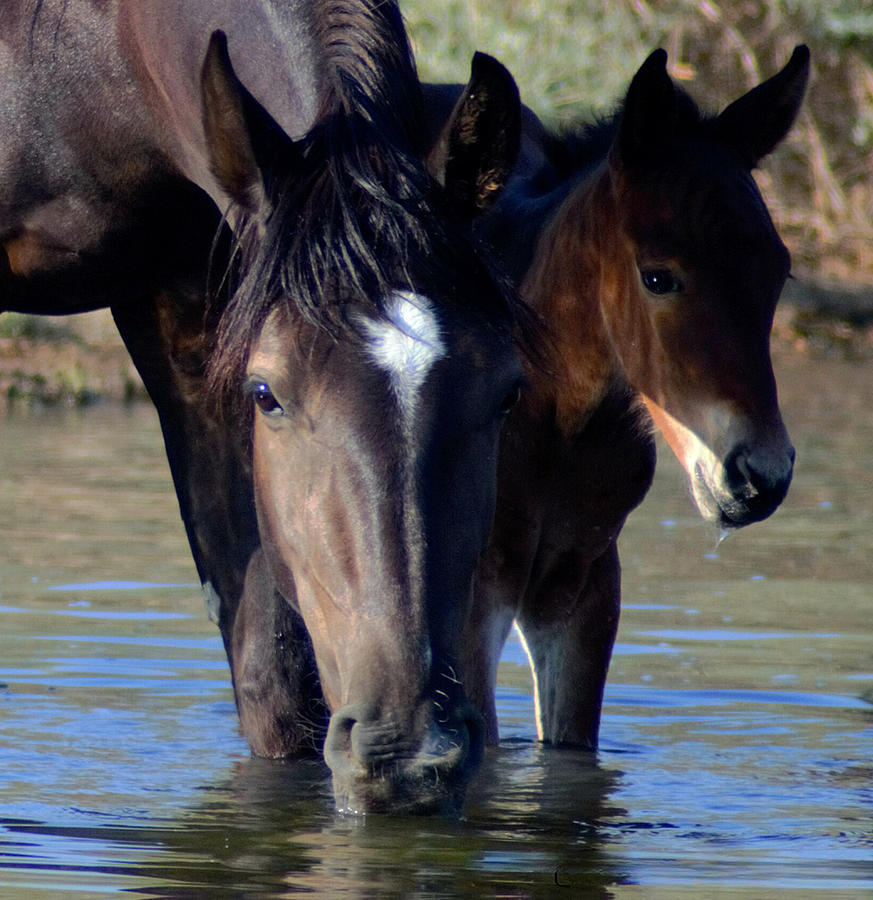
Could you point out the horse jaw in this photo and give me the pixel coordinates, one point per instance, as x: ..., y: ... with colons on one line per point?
x: 742, y: 484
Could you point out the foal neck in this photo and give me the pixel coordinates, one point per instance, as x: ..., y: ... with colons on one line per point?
x: 566, y: 283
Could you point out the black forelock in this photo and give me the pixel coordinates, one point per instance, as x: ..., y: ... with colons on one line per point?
x: 355, y: 213
x: 356, y: 218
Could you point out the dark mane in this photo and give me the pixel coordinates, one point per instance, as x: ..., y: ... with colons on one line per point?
x: 371, y: 69
x: 579, y: 148
x: 356, y: 214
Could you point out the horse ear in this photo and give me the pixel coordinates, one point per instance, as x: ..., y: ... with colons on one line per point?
x: 649, y: 112
x: 242, y: 139
x: 760, y: 119
x: 479, y: 144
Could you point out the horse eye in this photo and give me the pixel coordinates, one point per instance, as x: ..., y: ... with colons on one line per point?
x: 265, y: 401
x: 512, y: 397
x: 660, y: 281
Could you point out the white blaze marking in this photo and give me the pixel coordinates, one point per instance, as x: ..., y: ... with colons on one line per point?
x: 406, y: 345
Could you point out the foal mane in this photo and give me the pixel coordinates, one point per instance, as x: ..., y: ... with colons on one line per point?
x: 355, y: 213
x: 579, y: 148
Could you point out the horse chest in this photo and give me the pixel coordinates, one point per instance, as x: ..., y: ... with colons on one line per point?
x: 54, y: 234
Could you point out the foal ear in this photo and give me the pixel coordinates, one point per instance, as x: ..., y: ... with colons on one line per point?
x: 760, y: 119
x: 479, y: 143
x: 649, y: 112
x: 242, y: 139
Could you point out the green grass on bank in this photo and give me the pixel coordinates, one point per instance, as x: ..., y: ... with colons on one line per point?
x: 18, y: 326
x: 572, y: 57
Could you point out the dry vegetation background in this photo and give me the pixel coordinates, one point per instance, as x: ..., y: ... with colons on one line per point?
x: 573, y: 59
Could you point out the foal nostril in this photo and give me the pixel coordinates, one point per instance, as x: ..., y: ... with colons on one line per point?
x: 757, y: 483
x: 741, y: 479
x: 749, y: 474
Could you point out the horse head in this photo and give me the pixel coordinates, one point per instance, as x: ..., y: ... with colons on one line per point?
x: 701, y: 271
x: 375, y: 356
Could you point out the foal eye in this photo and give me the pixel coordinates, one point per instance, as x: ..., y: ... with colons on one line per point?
x: 660, y: 281
x: 265, y: 401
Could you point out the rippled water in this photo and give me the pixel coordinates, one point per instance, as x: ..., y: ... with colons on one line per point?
x: 737, y: 754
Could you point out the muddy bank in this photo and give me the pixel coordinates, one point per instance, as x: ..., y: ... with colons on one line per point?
x: 70, y: 361
x: 826, y: 319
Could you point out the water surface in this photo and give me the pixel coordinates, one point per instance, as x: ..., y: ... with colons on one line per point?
x: 737, y: 731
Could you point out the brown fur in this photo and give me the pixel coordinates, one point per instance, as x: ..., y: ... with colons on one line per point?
x: 668, y: 193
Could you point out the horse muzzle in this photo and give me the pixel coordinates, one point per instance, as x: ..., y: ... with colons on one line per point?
x: 379, y: 767
x: 748, y: 485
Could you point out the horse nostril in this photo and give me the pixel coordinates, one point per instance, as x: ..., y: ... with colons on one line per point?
x: 338, y: 742
x: 420, y: 764
x: 760, y: 479
x: 740, y: 477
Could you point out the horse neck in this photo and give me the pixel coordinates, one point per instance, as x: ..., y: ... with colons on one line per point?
x: 577, y: 269
x: 301, y: 59
x: 270, y: 45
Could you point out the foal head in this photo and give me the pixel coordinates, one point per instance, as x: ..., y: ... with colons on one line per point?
x: 698, y: 269
x: 376, y: 357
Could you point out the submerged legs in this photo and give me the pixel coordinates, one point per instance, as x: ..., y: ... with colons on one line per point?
x: 278, y: 694
x: 570, y: 656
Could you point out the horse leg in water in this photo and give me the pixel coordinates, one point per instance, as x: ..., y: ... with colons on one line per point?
x: 487, y: 629
x: 569, y: 656
x: 169, y: 339
x: 278, y: 694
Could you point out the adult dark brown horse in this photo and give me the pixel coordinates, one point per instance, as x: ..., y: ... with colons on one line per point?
x: 645, y: 245
x: 371, y: 344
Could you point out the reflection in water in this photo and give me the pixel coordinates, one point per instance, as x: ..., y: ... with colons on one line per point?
x: 271, y: 826
x: 736, y: 738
